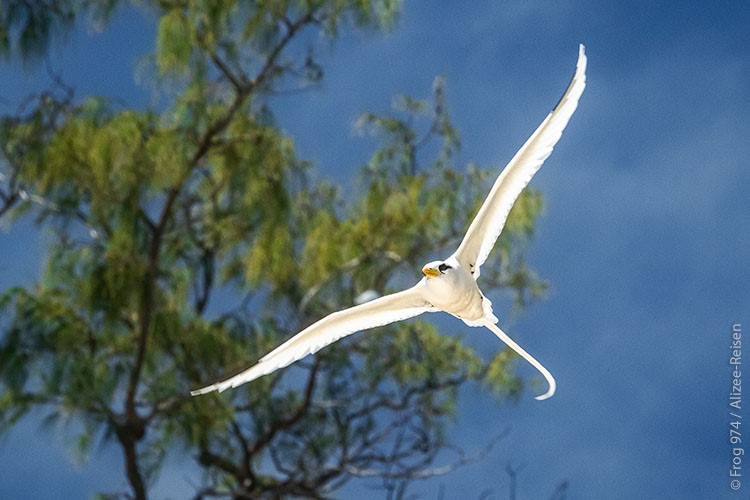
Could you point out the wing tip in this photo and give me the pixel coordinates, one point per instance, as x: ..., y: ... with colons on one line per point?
x: 205, y: 390
x: 245, y: 376
x: 220, y: 387
x: 577, y: 83
x: 582, y: 59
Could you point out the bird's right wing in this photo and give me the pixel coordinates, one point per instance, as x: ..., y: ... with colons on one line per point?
x: 382, y: 311
x: 490, y: 220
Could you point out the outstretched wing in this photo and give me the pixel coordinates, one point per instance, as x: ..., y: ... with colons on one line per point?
x: 490, y: 220
x: 379, y: 312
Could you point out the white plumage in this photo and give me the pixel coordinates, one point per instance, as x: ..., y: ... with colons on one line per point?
x: 448, y: 285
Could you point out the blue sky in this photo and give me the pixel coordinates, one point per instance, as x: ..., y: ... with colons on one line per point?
x: 645, y: 239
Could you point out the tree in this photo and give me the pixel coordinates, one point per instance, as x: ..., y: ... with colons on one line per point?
x: 190, y: 240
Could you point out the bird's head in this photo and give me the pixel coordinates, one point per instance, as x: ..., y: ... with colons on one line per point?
x: 435, y: 269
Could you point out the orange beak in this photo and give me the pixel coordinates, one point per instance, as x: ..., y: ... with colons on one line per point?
x: 430, y: 272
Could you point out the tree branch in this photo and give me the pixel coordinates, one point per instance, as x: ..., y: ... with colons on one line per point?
x: 301, y: 411
x: 211, y: 459
x: 159, y: 229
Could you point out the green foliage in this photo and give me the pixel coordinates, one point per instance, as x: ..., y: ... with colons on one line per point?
x: 28, y: 28
x: 191, y: 241
x: 173, y: 42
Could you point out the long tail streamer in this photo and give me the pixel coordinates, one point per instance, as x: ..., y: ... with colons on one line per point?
x: 525, y: 355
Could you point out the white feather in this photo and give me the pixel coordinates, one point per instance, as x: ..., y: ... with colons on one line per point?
x: 450, y: 284
x: 490, y: 220
x: 525, y: 355
x: 385, y: 310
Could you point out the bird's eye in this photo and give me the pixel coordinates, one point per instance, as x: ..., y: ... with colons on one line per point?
x: 442, y: 267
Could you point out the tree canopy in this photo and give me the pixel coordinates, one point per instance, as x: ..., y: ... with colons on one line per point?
x: 190, y: 240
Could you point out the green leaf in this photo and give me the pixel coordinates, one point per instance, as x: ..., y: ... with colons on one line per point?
x: 173, y: 42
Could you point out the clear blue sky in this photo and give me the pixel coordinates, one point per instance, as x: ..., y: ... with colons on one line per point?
x: 645, y: 239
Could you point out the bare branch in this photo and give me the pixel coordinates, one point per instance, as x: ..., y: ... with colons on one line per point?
x: 238, y: 82
x: 266, y: 438
x: 427, y: 472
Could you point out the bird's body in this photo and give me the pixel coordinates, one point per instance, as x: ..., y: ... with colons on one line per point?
x: 456, y: 292
x: 449, y: 285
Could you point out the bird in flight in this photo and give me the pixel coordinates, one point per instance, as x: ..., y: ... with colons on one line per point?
x: 449, y: 285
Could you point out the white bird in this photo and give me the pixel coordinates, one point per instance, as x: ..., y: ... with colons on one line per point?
x: 448, y: 285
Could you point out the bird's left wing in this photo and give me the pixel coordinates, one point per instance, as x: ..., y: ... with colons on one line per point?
x: 388, y: 309
x: 490, y: 220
